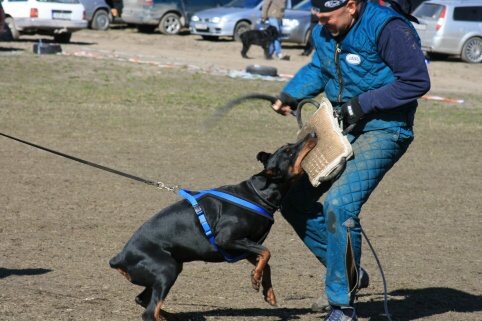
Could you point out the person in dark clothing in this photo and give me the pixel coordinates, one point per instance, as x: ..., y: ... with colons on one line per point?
x: 309, y: 44
x: 369, y: 64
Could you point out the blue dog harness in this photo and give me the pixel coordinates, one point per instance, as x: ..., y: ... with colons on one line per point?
x: 192, y: 198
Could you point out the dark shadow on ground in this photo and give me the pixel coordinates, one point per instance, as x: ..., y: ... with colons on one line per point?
x: 283, y: 314
x: 412, y: 304
x: 4, y: 273
x: 406, y: 304
x: 45, y: 40
x: 3, y: 49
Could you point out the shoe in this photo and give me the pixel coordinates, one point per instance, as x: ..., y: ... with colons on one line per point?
x: 363, y: 280
x: 322, y: 304
x: 306, y: 53
x: 284, y: 57
x: 339, y: 314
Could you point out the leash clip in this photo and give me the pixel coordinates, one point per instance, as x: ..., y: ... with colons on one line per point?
x: 172, y: 188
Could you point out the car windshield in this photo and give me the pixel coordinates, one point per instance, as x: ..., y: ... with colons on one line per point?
x: 243, y: 3
x: 428, y: 11
x: 303, y: 6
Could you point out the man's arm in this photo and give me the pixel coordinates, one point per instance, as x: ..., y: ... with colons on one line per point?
x: 400, y: 50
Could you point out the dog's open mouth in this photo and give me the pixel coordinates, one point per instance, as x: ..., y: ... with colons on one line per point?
x: 308, y: 146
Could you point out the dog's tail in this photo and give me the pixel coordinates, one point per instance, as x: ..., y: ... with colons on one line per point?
x: 216, y: 117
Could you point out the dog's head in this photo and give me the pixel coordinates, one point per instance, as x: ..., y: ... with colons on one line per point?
x: 272, y: 31
x: 284, y: 165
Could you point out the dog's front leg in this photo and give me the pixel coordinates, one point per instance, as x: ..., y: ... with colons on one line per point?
x: 259, y: 259
x: 268, y: 291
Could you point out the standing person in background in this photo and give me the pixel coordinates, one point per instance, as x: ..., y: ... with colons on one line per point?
x: 369, y: 63
x: 309, y: 44
x: 272, y: 13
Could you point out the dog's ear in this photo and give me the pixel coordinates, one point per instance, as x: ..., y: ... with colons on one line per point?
x: 263, y: 157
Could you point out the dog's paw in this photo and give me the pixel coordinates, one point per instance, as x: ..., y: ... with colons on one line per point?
x: 269, y: 296
x: 255, y: 283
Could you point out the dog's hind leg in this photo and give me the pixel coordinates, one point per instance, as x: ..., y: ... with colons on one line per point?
x: 144, y: 297
x: 157, y: 273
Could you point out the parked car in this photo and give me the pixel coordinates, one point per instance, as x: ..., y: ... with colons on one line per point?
x: 170, y: 16
x: 406, y: 5
x: 449, y: 27
x: 296, y: 23
x: 98, y: 14
x: 230, y: 20
x: 57, y: 18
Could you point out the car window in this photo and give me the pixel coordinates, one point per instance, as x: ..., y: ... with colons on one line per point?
x: 468, y: 14
x: 243, y: 3
x: 428, y: 11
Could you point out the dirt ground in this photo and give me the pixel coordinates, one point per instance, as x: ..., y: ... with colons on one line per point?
x: 62, y: 221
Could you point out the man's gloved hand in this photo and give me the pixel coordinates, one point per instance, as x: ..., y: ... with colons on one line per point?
x: 288, y: 100
x: 351, y: 111
x: 285, y: 104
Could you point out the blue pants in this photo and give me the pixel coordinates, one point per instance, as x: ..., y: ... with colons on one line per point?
x: 276, y: 45
x: 321, y: 226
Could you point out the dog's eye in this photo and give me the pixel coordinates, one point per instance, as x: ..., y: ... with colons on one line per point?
x: 288, y: 150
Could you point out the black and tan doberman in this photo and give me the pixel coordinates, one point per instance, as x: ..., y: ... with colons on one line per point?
x: 226, y: 223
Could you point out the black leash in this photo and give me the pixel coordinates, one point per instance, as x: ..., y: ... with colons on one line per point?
x: 136, y: 178
x: 220, y: 113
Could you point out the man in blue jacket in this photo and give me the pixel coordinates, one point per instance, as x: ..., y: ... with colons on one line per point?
x: 369, y: 64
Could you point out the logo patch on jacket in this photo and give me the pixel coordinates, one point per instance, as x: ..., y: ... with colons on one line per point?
x: 353, y: 59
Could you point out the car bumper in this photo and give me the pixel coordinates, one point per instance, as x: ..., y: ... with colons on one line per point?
x: 60, y: 25
x: 442, y: 45
x: 211, y: 29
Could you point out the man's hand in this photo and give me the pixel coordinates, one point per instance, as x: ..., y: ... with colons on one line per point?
x: 285, y: 104
x: 351, y: 111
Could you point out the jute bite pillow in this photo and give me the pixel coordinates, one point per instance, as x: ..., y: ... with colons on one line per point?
x: 328, y: 158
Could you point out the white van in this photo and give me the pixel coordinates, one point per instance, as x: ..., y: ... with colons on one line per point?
x: 57, y: 18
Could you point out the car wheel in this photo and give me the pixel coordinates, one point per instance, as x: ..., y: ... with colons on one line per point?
x: 63, y: 37
x: 14, y: 33
x: 100, y: 20
x: 213, y: 38
x: 240, y: 28
x: 170, y: 24
x: 262, y: 70
x: 472, y: 50
x: 146, y: 28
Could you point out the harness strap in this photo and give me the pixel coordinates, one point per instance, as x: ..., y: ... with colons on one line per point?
x: 204, y: 223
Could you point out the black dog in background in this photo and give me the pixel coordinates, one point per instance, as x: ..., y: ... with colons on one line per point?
x: 263, y: 38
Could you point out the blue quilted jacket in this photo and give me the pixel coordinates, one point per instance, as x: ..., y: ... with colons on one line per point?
x: 353, y: 66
